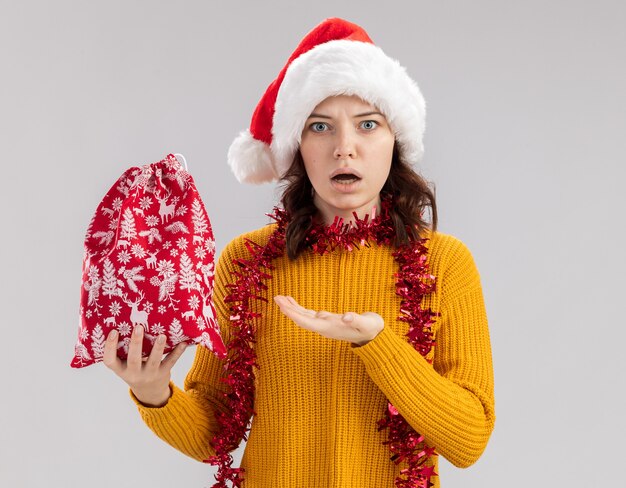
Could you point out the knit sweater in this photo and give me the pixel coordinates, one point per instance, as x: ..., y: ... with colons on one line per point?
x: 317, y: 400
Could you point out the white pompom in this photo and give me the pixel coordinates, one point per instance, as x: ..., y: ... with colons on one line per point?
x: 251, y: 160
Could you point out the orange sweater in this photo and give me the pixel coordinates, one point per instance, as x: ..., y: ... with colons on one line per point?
x: 318, y: 400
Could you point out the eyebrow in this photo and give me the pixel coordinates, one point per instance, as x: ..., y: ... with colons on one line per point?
x: 318, y: 116
x: 365, y: 114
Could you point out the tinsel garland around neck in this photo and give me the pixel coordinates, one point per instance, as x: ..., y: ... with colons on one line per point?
x: 413, y: 282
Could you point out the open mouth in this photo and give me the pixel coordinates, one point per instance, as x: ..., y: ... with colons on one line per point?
x: 345, y: 179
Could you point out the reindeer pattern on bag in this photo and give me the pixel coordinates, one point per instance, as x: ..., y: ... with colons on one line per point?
x: 149, y: 262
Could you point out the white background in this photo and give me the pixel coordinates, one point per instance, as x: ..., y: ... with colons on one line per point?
x: 525, y: 143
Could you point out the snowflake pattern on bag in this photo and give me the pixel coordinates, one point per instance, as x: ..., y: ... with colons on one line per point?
x: 149, y: 260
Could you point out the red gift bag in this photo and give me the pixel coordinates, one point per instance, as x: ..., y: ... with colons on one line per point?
x: 149, y: 260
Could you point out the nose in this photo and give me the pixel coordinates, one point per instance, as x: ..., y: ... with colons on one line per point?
x: 345, y: 147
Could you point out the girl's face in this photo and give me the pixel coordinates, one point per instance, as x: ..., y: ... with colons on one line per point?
x: 346, y: 147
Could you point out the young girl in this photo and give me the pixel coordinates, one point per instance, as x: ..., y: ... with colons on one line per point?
x: 357, y: 333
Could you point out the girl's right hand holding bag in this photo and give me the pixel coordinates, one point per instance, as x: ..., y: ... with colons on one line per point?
x: 147, y: 378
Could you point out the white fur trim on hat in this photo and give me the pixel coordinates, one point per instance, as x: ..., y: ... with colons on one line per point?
x: 251, y: 160
x: 347, y: 68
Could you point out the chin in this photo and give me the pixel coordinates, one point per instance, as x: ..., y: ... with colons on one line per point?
x: 350, y: 205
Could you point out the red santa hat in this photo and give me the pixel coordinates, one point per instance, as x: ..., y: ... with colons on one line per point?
x: 335, y: 58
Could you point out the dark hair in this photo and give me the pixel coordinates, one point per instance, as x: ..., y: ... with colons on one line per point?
x: 411, y: 195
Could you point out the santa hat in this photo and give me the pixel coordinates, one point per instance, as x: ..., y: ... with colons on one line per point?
x: 335, y: 58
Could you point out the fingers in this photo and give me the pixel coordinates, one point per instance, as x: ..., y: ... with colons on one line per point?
x: 156, y: 355
x: 350, y: 326
x: 173, y: 356
x: 305, y: 318
x: 110, y: 358
x: 133, y: 361
x: 290, y: 307
x: 323, y: 314
x: 289, y: 303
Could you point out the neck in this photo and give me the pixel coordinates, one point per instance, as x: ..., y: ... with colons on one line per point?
x: 329, y: 214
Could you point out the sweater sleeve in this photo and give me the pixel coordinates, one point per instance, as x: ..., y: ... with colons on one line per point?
x: 187, y: 421
x: 451, y: 402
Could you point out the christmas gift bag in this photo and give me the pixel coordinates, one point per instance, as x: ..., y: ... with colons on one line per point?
x: 149, y: 260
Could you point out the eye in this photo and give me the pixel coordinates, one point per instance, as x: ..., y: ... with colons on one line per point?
x: 369, y: 124
x: 318, y: 127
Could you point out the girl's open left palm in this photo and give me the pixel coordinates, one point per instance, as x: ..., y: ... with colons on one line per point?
x: 353, y: 327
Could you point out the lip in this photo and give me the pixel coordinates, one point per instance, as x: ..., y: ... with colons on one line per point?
x: 346, y: 171
x: 345, y: 187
